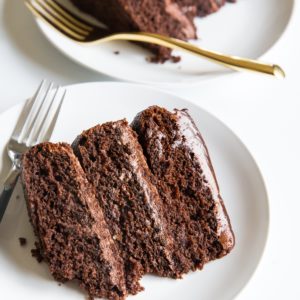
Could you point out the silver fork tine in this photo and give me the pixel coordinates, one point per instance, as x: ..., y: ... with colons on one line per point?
x: 39, y: 136
x: 39, y: 116
x: 33, y: 115
x: 47, y: 135
x: 25, y: 113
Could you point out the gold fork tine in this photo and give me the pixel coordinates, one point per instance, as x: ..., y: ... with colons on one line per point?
x: 70, y: 16
x: 41, y: 13
x: 45, y: 5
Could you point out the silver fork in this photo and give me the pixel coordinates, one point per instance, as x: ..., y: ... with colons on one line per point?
x: 34, y: 126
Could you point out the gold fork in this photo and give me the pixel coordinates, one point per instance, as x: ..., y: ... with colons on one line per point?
x: 84, y: 32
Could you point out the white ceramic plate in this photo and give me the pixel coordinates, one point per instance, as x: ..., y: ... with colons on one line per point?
x: 248, y: 28
x: 240, y: 181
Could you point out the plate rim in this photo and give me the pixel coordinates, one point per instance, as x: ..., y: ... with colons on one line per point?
x: 167, y: 84
x: 238, y: 139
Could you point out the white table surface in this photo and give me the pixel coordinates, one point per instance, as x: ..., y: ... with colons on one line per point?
x: 263, y: 111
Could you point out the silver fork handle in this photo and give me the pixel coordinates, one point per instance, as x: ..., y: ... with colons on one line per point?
x: 9, y: 185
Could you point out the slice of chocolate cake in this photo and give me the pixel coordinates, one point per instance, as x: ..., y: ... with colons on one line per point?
x: 178, y: 158
x: 174, y: 18
x: 156, y: 16
x: 114, y: 163
x: 73, y: 237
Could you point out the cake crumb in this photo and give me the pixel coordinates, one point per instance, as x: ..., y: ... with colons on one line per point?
x: 116, y: 52
x: 175, y: 59
x: 18, y: 197
x: 22, y: 241
x: 159, y: 59
x: 156, y: 59
x: 36, y: 253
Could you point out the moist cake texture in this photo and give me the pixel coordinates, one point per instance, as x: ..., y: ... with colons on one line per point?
x: 155, y: 16
x: 114, y: 163
x: 72, y: 234
x: 125, y: 201
x: 178, y: 158
x: 174, y: 18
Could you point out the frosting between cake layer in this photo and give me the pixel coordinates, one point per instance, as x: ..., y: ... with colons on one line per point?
x: 150, y: 193
x: 136, y: 169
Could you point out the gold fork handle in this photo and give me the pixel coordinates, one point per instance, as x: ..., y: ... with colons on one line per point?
x: 232, y: 62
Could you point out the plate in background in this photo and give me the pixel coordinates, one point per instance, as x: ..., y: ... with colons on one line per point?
x: 240, y: 180
x: 248, y: 28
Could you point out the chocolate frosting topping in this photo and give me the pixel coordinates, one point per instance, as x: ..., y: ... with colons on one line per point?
x: 176, y: 12
x: 191, y: 138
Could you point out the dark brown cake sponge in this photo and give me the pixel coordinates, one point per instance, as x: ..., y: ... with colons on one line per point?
x: 173, y: 18
x: 178, y: 157
x: 115, y: 165
x: 156, y: 16
x: 73, y: 237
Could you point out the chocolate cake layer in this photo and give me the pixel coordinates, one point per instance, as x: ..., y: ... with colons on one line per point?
x: 114, y: 163
x: 178, y: 158
x: 174, y: 18
x: 157, y: 16
x: 73, y: 237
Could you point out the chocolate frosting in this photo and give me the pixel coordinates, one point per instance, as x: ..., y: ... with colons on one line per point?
x: 192, y: 139
x: 177, y: 13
